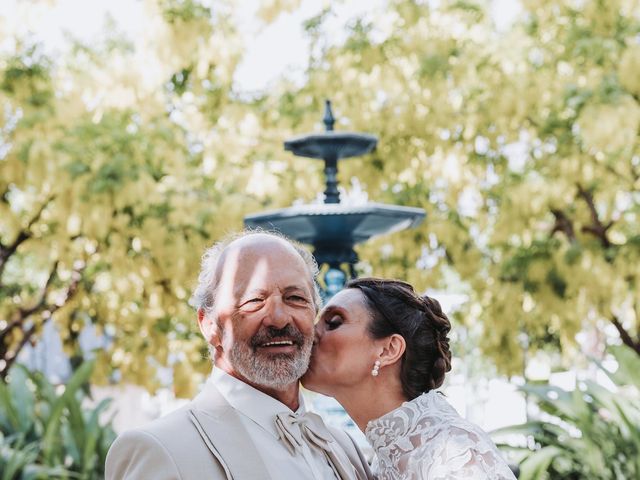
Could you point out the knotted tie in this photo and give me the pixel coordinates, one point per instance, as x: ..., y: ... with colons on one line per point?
x: 295, y: 429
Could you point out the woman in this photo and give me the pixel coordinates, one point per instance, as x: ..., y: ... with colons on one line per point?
x: 382, y: 351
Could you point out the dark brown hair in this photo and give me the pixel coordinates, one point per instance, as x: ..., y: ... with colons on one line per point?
x: 396, y: 308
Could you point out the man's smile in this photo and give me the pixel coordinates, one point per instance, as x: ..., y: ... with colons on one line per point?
x: 282, y: 345
x: 279, y: 343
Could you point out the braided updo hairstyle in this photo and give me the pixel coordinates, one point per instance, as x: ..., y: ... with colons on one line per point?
x: 396, y: 308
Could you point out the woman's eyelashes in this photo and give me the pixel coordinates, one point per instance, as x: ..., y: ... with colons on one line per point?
x: 333, y: 322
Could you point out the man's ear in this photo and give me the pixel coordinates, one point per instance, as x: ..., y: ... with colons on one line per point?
x: 208, y: 328
x: 393, y: 348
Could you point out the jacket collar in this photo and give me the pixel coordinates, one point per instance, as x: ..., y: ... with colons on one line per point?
x: 257, y: 406
x: 222, y: 431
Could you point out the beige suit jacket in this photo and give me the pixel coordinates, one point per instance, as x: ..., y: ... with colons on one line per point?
x: 202, y: 440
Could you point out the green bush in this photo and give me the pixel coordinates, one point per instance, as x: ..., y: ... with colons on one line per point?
x: 590, y: 432
x: 46, y: 432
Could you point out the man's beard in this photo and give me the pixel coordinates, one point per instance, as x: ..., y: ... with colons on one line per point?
x: 276, y: 371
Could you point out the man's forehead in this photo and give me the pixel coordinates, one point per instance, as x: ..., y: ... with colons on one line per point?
x: 257, y: 246
x: 255, y: 256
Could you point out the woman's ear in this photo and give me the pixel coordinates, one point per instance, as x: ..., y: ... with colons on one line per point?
x: 392, y: 349
x: 208, y: 328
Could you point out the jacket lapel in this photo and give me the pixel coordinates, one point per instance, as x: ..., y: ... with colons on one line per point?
x: 340, y: 463
x: 222, y: 431
x: 345, y: 448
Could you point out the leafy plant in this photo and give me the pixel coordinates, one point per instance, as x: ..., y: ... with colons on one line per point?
x: 46, y: 432
x: 590, y: 432
x: 19, y: 461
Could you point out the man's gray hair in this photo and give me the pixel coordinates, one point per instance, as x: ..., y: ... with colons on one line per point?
x: 204, y: 294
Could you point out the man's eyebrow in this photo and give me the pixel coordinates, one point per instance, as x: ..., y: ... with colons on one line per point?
x: 253, y: 291
x: 294, y: 287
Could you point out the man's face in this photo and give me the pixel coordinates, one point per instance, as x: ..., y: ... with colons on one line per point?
x: 264, y: 313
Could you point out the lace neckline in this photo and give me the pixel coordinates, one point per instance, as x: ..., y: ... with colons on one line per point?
x: 397, y: 423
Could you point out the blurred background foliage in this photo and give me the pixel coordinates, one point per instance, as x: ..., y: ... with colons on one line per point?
x: 51, y: 432
x: 590, y: 432
x: 121, y: 160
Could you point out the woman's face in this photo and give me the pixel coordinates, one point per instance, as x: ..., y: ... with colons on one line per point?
x: 344, y: 352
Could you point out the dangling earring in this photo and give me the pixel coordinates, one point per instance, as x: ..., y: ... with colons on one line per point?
x: 376, y: 368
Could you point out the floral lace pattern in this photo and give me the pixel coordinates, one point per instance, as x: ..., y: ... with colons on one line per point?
x: 426, y: 439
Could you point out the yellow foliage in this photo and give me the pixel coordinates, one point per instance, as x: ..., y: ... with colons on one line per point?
x: 629, y: 69
x: 610, y: 128
x: 146, y: 155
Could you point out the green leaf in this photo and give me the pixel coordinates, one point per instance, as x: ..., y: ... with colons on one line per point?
x: 22, y: 397
x: 9, y: 416
x: 76, y: 424
x: 50, y: 441
x: 94, y: 432
x: 536, y: 465
x: 15, y: 457
x: 529, y: 428
x: 554, y: 400
x: 628, y: 372
x: 629, y: 414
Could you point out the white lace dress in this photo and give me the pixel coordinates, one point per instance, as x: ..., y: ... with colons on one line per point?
x: 426, y: 439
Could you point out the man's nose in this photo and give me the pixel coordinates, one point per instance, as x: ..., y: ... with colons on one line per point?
x: 277, y: 315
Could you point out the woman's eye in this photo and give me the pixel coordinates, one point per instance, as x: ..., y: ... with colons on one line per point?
x: 333, y: 323
x: 253, y: 300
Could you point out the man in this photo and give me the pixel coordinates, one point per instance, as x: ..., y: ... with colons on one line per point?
x: 256, y: 302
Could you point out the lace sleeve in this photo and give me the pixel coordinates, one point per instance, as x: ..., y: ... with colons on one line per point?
x: 460, y: 454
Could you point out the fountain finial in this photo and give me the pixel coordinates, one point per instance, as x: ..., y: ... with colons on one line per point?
x: 328, y: 116
x: 331, y: 146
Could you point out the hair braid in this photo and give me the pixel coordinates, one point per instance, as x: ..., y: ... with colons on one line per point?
x: 441, y: 326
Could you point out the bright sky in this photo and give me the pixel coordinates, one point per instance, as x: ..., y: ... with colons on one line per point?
x: 277, y: 49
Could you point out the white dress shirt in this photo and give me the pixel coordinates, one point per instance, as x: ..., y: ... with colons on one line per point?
x: 258, y: 411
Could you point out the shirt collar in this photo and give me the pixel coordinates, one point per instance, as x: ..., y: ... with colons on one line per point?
x: 251, y: 402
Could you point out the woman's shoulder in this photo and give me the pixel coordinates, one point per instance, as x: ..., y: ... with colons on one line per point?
x: 454, y: 444
x: 436, y: 429
x: 456, y: 450
x: 444, y: 421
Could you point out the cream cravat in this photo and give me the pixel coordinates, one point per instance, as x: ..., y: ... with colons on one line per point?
x: 309, y: 427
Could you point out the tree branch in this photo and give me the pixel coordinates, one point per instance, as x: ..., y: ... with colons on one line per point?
x: 7, y: 250
x: 532, y: 121
x: 635, y: 174
x: 10, y: 357
x: 563, y: 224
x: 597, y: 228
x: 23, y: 313
x: 622, y: 177
x: 625, y: 336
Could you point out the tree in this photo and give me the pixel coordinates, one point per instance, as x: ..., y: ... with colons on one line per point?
x: 106, y: 199
x: 522, y: 145
x: 121, y: 161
